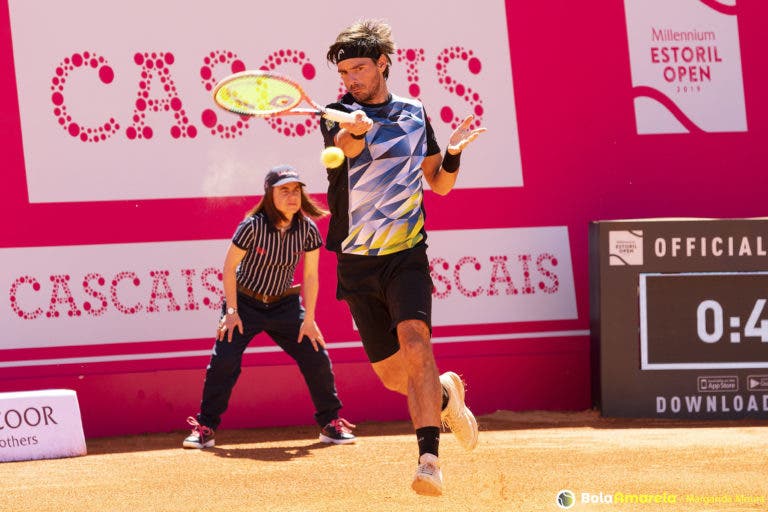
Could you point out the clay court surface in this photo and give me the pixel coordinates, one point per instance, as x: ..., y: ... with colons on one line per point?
x: 521, y: 463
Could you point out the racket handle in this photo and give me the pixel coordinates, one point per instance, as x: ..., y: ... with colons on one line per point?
x: 339, y: 116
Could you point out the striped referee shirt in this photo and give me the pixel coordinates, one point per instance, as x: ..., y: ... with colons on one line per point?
x: 270, y: 260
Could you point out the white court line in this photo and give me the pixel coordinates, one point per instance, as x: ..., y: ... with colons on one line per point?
x: 263, y: 350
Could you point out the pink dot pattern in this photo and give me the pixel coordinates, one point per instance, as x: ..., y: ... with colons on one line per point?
x: 434, y: 265
x: 156, y: 67
x: 280, y: 124
x: 189, y: 278
x: 454, y: 86
x: 411, y: 57
x: 98, y: 303
x: 296, y: 58
x: 83, y: 61
x: 161, y: 290
x: 98, y: 306
x: 466, y: 260
x: 123, y: 308
x: 555, y: 286
x: 341, y: 91
x: 500, y: 276
x: 60, y: 287
x: 24, y: 281
x: 205, y: 276
x: 209, y: 116
x: 525, y: 259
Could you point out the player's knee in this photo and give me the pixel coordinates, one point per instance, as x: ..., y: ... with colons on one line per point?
x: 414, y: 339
x: 413, y: 333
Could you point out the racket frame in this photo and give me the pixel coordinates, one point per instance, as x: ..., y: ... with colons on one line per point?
x: 293, y: 109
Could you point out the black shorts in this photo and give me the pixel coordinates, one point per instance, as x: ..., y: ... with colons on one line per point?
x: 383, y: 291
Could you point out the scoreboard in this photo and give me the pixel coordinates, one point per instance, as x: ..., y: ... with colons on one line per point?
x: 679, y: 317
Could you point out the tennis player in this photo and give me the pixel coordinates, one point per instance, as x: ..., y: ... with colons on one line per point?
x: 258, y: 271
x: 377, y: 229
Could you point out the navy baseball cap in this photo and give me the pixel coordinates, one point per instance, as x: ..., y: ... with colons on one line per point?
x: 281, y: 175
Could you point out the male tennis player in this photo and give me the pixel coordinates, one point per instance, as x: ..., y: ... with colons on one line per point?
x: 377, y: 229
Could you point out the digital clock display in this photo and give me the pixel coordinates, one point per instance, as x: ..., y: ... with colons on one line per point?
x: 708, y: 320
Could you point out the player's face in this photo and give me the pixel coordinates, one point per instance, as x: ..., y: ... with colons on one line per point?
x: 364, y: 78
x: 287, y: 198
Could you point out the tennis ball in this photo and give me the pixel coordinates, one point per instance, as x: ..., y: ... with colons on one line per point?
x: 332, y: 157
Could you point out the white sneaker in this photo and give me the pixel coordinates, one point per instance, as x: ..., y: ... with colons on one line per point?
x: 428, y: 479
x: 201, y: 436
x: 457, y: 415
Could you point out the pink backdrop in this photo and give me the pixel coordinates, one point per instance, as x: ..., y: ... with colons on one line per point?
x: 582, y: 160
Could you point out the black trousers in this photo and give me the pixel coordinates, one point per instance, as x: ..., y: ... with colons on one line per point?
x: 281, y: 320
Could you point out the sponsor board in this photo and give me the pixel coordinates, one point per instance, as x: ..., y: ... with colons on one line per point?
x: 125, y: 110
x: 683, y: 332
x: 685, y: 59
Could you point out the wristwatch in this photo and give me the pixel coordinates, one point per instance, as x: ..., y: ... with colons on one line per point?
x: 231, y: 311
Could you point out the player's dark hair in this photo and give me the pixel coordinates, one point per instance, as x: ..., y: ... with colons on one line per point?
x: 309, y: 206
x: 365, y: 38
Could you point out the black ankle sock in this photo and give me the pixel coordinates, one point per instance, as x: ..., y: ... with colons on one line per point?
x: 445, y: 399
x: 428, y: 439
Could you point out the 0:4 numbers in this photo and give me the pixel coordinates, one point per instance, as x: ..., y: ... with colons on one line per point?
x: 710, y: 325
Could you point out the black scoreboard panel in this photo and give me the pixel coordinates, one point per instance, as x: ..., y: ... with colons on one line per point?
x: 679, y: 317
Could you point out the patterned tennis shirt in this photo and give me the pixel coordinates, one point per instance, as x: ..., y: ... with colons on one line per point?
x: 269, y: 264
x: 376, y: 198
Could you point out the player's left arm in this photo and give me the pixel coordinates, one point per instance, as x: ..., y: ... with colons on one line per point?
x: 310, y: 286
x: 441, y: 171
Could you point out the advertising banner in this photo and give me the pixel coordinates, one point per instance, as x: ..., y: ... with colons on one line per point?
x: 681, y: 325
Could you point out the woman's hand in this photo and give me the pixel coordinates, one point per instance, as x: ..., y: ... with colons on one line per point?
x: 311, y: 331
x: 227, y: 325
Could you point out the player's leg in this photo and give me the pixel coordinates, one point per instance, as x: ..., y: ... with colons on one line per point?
x: 408, y: 293
x: 454, y: 413
x: 404, y: 372
x: 409, y: 296
x: 391, y: 363
x: 423, y: 382
x: 379, y: 339
x: 365, y: 284
x: 316, y: 368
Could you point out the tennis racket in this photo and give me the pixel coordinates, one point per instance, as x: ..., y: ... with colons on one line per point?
x: 265, y: 94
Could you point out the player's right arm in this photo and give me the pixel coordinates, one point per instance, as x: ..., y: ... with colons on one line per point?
x: 342, y: 135
x: 348, y: 138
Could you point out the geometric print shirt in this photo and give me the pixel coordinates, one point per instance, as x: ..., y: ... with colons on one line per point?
x: 376, y: 198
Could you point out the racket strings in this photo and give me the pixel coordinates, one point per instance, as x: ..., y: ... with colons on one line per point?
x: 260, y: 95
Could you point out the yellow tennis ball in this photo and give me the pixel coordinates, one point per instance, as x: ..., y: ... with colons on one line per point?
x: 332, y: 157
